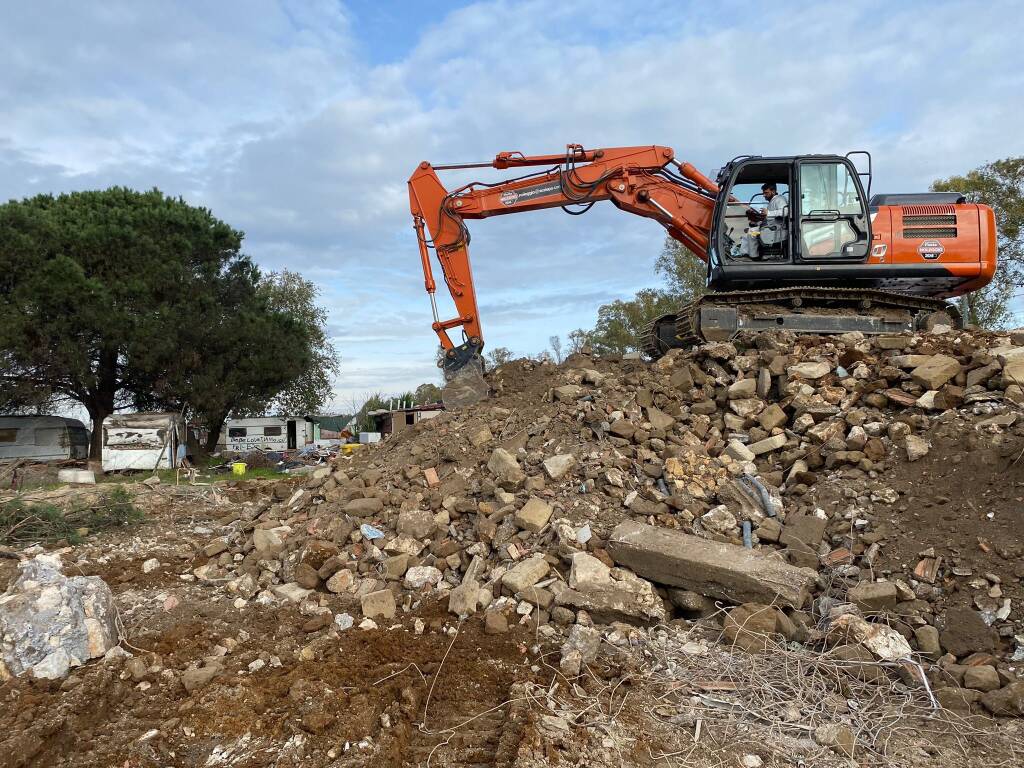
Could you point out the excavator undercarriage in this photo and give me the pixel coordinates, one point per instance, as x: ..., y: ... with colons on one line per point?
x: 720, y: 316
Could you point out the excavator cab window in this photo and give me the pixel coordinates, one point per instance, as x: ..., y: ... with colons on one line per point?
x: 833, y: 215
x: 754, y: 229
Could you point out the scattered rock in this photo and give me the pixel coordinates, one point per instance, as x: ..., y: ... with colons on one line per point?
x: 916, y: 447
x: 534, y: 514
x: 379, y: 604
x: 963, y: 632
x: 558, y: 466
x: 50, y: 623
x: 837, y: 736
x: 525, y: 574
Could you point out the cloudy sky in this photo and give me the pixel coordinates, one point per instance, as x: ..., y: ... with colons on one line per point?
x: 299, y: 121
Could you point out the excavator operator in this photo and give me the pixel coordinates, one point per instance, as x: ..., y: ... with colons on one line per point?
x: 767, y: 227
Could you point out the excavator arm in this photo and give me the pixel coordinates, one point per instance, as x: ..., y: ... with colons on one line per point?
x: 646, y: 181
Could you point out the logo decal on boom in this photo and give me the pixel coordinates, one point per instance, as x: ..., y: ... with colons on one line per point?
x: 931, y: 249
x: 523, y: 194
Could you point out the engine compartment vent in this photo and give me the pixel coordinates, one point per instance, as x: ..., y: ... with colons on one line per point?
x: 930, y: 220
x: 925, y: 233
x: 928, y: 210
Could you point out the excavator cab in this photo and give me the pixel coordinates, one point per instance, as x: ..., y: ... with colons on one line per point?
x: 815, y: 227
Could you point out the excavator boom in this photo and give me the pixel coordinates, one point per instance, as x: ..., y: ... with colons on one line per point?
x: 647, y: 181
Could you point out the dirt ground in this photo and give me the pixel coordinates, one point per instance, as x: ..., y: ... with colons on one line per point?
x: 358, y: 697
x: 423, y: 691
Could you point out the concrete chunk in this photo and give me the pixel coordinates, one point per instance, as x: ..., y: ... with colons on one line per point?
x: 873, y: 596
x: 767, y: 445
x: 556, y: 467
x: 525, y: 574
x: 810, y: 370
x: 738, y: 451
x: 909, y: 361
x: 534, y: 514
x: 714, y: 569
x: 772, y: 416
x: 742, y: 389
x: 659, y: 419
x: 379, y: 604
x: 364, y: 507
x: 504, y: 466
x: 936, y: 371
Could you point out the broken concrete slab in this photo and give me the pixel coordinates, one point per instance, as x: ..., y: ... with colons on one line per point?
x: 629, y: 599
x: 714, y: 569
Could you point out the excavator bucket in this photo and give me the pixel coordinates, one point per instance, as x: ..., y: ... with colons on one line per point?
x: 464, y: 383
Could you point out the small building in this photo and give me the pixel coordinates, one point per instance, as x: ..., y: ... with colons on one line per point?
x: 267, y: 433
x: 42, y: 438
x: 142, y: 441
x: 387, y: 422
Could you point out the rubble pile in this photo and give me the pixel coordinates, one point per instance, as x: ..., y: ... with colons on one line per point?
x: 749, y: 482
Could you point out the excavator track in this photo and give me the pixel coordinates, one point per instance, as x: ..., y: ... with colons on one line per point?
x: 719, y: 316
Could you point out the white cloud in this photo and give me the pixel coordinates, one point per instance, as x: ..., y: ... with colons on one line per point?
x: 268, y: 114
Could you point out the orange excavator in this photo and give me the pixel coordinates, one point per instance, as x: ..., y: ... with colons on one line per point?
x: 820, y: 256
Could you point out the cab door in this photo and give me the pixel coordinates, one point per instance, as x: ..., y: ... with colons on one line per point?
x: 833, y: 222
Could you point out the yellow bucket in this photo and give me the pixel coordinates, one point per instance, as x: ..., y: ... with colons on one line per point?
x: 238, y: 468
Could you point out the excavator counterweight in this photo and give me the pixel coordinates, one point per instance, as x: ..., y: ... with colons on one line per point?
x: 819, y: 257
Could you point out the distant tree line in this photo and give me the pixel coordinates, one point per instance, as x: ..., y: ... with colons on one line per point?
x: 999, y: 184
x: 120, y: 299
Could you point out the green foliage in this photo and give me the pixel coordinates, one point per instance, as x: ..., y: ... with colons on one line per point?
x: 620, y: 324
x: 98, y: 289
x: 684, y: 273
x: 578, y: 339
x: 427, y: 393
x: 119, y: 298
x: 290, y: 293
x: 375, y: 402
x: 1000, y: 185
x: 22, y: 523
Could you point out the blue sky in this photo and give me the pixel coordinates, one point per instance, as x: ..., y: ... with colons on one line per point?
x: 299, y: 122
